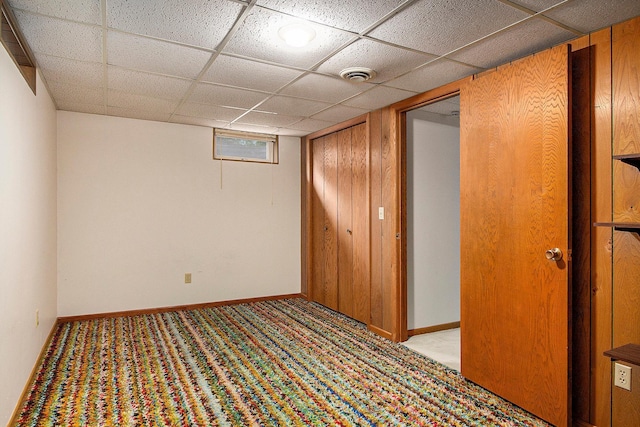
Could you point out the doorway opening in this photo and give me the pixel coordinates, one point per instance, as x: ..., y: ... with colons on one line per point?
x: 432, y: 192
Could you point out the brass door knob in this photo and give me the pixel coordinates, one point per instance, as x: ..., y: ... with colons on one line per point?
x: 554, y: 254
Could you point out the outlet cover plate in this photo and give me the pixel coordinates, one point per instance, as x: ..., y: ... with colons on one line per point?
x: 622, y: 376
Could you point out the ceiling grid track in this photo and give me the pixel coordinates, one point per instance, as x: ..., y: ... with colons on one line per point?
x: 221, y: 63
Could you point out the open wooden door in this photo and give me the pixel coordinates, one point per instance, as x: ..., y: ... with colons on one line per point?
x: 515, y: 181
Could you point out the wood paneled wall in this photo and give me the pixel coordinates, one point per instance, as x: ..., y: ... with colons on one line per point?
x: 384, y: 174
x: 614, y: 57
x: 601, y: 238
x: 626, y: 207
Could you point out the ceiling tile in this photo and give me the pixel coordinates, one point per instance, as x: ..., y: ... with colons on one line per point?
x: 198, y: 121
x: 56, y: 37
x: 267, y: 119
x: 378, y: 97
x: 195, y: 22
x: 292, y: 106
x: 339, y: 113
x: 324, y: 88
x: 139, y: 102
x: 258, y: 38
x: 141, y: 83
x: 156, y: 56
x: 537, y: 5
x: 440, y: 27
x: 71, y: 93
x: 213, y: 112
x: 516, y: 42
x: 433, y: 75
x: 71, y: 71
x: 138, y: 114
x: 248, y: 74
x: 590, y: 15
x: 87, y: 12
x: 387, y: 61
x: 310, y: 125
x: 156, y: 51
x: 336, y: 13
x: 205, y: 93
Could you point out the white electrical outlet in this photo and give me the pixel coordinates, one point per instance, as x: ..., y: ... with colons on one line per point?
x: 622, y: 376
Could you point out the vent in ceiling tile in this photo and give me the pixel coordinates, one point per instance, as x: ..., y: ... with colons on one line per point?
x: 357, y: 74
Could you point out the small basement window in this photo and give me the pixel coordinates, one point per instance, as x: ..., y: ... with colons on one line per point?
x: 245, y: 146
x: 16, y: 47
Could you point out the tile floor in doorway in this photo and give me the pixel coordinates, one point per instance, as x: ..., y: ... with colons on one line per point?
x: 442, y: 346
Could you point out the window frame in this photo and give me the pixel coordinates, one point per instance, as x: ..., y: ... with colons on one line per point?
x: 271, y: 140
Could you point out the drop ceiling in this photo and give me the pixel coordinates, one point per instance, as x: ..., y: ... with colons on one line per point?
x: 220, y: 63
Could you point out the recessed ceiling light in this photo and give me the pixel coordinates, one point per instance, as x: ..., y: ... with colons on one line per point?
x: 297, y: 34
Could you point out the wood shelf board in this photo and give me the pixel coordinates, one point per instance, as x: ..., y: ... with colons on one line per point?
x: 630, y: 159
x: 627, y: 353
x: 633, y: 227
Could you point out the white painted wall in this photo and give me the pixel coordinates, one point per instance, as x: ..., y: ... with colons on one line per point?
x: 433, y: 217
x: 27, y: 228
x: 142, y: 203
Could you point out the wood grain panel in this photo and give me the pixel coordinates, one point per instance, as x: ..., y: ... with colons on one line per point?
x: 375, y: 168
x: 626, y: 88
x: 581, y: 108
x: 601, y: 207
x: 514, y: 205
x: 626, y: 184
x: 626, y: 202
x: 389, y: 173
x: 626, y: 288
x: 361, y: 221
x: 316, y: 267
x: 330, y: 286
x: 345, y: 236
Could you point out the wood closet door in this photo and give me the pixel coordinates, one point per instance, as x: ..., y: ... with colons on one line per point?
x: 515, y: 304
x: 353, y: 225
x: 361, y: 295
x: 325, y: 221
x: 345, y: 227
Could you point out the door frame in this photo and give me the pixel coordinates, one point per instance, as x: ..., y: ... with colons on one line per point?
x: 398, y: 140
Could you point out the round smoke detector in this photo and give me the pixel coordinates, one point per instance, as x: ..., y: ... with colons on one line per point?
x: 357, y: 74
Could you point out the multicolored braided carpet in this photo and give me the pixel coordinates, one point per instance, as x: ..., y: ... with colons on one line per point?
x: 285, y: 363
